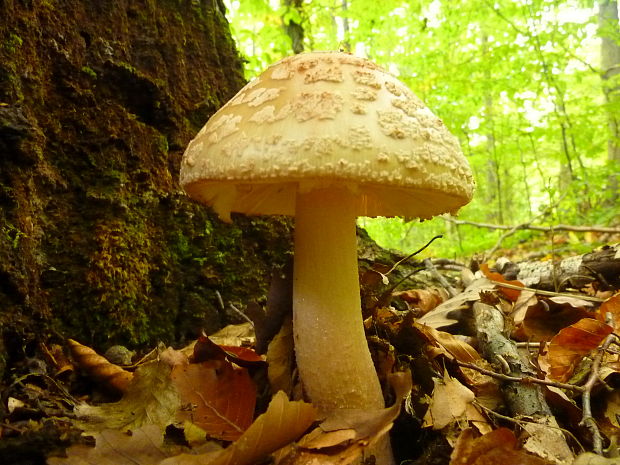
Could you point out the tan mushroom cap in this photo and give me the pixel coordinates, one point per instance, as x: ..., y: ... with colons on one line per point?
x: 321, y: 119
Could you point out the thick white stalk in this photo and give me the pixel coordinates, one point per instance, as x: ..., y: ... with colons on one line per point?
x: 332, y: 354
x: 331, y: 349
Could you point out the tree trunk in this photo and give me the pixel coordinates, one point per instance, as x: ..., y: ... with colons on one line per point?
x: 610, y: 68
x: 98, y: 100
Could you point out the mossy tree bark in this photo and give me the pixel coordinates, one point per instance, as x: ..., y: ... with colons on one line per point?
x: 97, y: 242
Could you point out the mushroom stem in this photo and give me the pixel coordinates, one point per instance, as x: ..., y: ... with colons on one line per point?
x: 330, y: 345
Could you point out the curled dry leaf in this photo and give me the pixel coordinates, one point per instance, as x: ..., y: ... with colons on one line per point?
x: 283, y: 422
x: 496, y: 447
x: 424, y: 299
x: 141, y: 447
x: 108, y: 376
x: 347, y: 434
x: 547, y: 317
x: 281, y: 359
x: 510, y: 294
x: 151, y: 398
x: 442, y: 315
x: 215, y: 396
x: 571, y: 344
x: 449, y: 403
x: 612, y: 307
x: 452, y: 346
x: 205, y: 349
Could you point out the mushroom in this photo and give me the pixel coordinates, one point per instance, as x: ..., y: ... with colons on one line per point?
x: 327, y: 137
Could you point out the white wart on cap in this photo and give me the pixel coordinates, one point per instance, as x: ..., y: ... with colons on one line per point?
x: 327, y: 119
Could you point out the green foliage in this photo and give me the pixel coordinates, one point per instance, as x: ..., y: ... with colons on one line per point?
x: 517, y: 81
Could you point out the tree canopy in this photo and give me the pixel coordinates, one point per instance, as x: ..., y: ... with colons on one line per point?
x: 528, y: 86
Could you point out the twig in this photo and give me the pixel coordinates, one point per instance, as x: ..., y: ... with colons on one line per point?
x: 402, y: 260
x: 547, y: 293
x: 442, y: 280
x: 587, y: 419
x: 529, y: 226
x: 521, y: 422
x: 242, y: 315
x: 521, y: 379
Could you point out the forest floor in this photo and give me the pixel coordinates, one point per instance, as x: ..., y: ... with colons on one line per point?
x: 516, y: 363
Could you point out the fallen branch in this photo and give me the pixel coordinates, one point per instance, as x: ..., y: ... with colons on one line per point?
x: 532, y: 227
x: 587, y: 419
x: 602, y: 265
x: 524, y: 400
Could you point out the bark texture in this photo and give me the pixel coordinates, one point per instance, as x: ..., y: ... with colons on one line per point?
x: 97, y: 242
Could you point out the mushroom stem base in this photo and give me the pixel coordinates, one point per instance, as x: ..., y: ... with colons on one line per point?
x: 331, y: 349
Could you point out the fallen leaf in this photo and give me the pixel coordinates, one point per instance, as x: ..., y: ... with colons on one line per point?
x: 441, y: 315
x: 283, y: 422
x: 510, y: 294
x: 571, y: 344
x: 588, y: 458
x: 452, y: 346
x: 151, y: 398
x: 234, y: 335
x: 141, y: 447
x: 424, y: 299
x: 281, y: 359
x: 545, y: 439
x: 449, y: 402
x: 109, y: 376
x: 215, y: 396
x: 547, y: 317
x: 497, y: 447
x: 347, y: 434
x: 205, y: 349
x: 610, y: 306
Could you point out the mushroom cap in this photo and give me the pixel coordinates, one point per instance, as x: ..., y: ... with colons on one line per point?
x: 321, y: 119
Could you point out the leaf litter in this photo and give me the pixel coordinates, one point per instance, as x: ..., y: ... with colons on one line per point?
x: 219, y: 402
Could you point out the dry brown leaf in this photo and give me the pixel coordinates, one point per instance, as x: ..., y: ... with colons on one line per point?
x: 282, y: 423
x: 109, y: 376
x: 281, y: 359
x: 612, y: 408
x: 545, y: 439
x: 142, y: 447
x: 546, y: 318
x: 571, y: 344
x: 424, y: 299
x: 368, y: 423
x: 449, y: 403
x: 349, y: 433
x: 452, y: 346
x: 611, y: 306
x: 216, y: 396
x: 151, y: 399
x: 497, y: 447
x: 510, y: 294
x: 440, y: 316
x: 588, y: 458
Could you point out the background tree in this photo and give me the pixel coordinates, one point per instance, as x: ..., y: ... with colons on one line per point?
x: 517, y: 81
x: 98, y: 100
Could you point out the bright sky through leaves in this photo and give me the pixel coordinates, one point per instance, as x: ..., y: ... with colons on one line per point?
x: 517, y: 81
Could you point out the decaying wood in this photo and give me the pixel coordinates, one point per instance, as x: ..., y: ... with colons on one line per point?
x: 602, y: 265
x: 525, y: 401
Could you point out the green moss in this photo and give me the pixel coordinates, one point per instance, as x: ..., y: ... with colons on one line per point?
x: 12, y: 235
x: 119, y: 272
x: 12, y: 43
x: 89, y: 72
